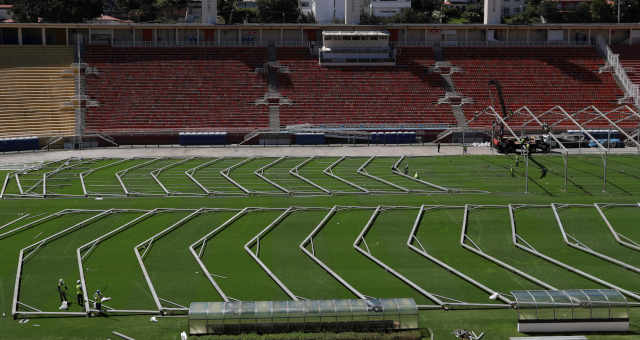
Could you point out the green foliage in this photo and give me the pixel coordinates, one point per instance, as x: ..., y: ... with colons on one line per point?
x: 56, y: 10
x: 601, y: 11
x: 549, y: 10
x: 248, y: 15
x: 473, y: 13
x: 406, y: 15
x: 409, y: 15
x: 267, y: 11
x: 425, y: 5
x: 594, y: 11
x: 367, y: 19
x: 629, y: 10
x: 530, y: 15
x: 279, y: 11
x: 151, y: 10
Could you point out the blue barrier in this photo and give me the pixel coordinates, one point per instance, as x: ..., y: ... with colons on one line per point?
x: 309, y: 138
x: 19, y: 144
x: 393, y: 137
x: 202, y: 138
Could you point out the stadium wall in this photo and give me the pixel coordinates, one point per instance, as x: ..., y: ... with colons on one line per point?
x: 301, y: 34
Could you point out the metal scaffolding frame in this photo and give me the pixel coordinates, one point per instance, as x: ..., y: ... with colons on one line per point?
x: 620, y: 238
x: 579, y: 119
x: 521, y: 243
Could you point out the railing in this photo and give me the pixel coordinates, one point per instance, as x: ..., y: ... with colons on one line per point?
x: 357, y: 50
x: 427, y: 43
x: 190, y: 43
x: 518, y: 43
x: 372, y: 126
x: 299, y: 43
x: 613, y: 59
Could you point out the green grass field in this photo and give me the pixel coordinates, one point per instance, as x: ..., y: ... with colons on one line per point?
x: 178, y: 279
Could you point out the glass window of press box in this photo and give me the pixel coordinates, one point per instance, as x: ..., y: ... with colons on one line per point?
x: 306, y: 315
x: 577, y: 304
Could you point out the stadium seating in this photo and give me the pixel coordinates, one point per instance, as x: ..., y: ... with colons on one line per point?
x: 539, y: 78
x: 362, y: 94
x: 164, y: 89
x: 36, y: 91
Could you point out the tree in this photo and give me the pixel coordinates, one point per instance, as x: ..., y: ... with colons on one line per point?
x: 425, y: 5
x: 366, y: 19
x: 278, y: 11
x: 629, y: 10
x: 601, y: 11
x: 150, y: 10
x: 549, y: 10
x: 56, y: 10
x: 473, y: 13
x: 409, y: 15
x: 530, y: 15
x: 582, y: 13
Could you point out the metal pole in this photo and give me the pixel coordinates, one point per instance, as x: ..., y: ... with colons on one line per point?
x: 526, y: 173
x: 565, y: 158
x: 604, y: 172
x: 619, y: 11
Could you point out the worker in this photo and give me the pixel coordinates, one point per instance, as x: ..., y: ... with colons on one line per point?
x: 97, y: 297
x: 79, y: 293
x: 62, y: 291
x: 438, y: 147
x: 406, y: 169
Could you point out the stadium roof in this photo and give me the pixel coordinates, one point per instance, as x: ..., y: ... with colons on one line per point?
x: 342, y: 33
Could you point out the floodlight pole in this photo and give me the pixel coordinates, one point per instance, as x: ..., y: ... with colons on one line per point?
x: 604, y: 172
x: 565, y: 158
x: 526, y: 172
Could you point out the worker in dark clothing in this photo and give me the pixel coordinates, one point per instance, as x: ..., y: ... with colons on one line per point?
x: 62, y: 290
x: 406, y: 169
x: 438, y: 147
x: 79, y: 293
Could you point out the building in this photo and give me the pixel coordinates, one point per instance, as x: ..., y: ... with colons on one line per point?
x: 333, y: 11
x: 387, y: 8
x: 5, y: 13
x: 194, y: 11
x: 208, y: 11
x: 512, y: 7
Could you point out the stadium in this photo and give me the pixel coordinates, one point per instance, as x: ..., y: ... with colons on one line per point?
x: 311, y: 181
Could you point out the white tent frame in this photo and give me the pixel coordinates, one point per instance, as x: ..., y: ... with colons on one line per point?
x: 620, y: 238
x: 521, y: 243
